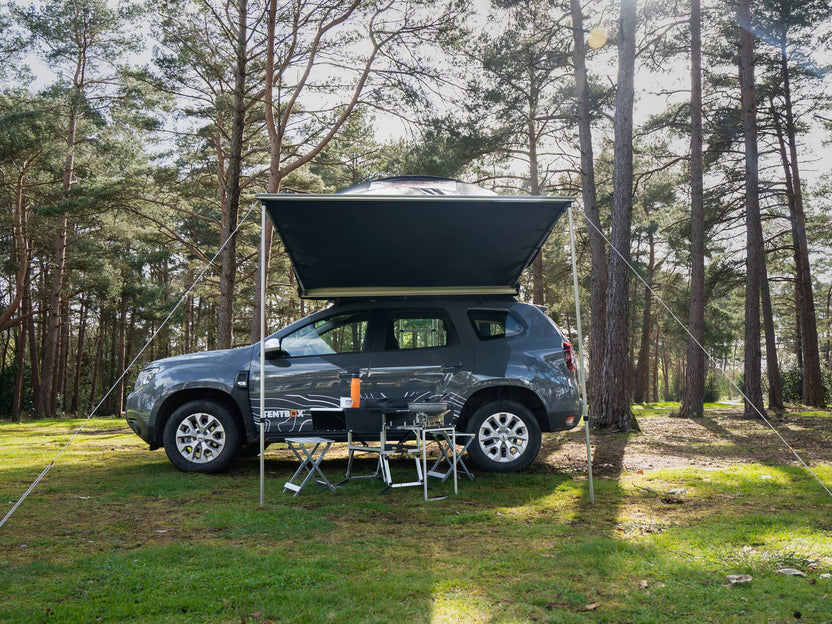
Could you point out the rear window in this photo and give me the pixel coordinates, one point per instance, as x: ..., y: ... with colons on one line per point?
x: 491, y: 324
x: 417, y: 329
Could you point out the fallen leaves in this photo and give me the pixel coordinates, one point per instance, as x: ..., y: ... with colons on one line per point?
x: 790, y: 572
x: 738, y: 579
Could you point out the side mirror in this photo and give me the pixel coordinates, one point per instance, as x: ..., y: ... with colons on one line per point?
x: 272, y: 347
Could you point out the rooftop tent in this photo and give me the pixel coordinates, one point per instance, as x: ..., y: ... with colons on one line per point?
x: 411, y: 236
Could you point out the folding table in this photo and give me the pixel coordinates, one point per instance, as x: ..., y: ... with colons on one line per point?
x: 451, y: 460
x: 310, y: 461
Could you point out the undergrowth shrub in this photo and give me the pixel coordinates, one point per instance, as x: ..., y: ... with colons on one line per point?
x: 791, y: 379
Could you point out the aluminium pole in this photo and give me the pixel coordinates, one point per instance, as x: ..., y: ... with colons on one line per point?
x: 262, y: 352
x: 581, y: 370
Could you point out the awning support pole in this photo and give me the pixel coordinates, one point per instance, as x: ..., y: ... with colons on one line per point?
x: 581, y: 369
x: 262, y: 353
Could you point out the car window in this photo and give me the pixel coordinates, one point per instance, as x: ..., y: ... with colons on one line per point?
x: 344, y: 333
x: 418, y: 329
x: 490, y: 324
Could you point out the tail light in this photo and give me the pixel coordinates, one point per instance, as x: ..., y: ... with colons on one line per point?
x: 569, y: 356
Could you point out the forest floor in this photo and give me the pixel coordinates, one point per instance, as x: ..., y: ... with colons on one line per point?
x: 721, y: 439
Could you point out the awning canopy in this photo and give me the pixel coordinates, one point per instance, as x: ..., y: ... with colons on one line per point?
x: 364, y: 245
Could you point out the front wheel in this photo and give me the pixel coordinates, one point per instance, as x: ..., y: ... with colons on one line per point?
x: 506, y: 437
x: 201, y: 436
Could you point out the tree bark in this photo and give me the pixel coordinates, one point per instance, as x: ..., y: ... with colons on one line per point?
x: 775, y: 390
x: 96, y: 365
x: 754, y: 232
x: 17, y: 395
x: 641, y: 380
x: 615, y: 404
x: 534, y: 190
x: 50, y: 349
x: 273, y: 183
x: 278, y: 128
x: 597, y: 245
x: 79, y: 361
x: 655, y: 395
x: 812, y: 379
x: 829, y: 327
x: 21, y: 251
x: 121, y: 353
x: 693, y: 399
x: 63, y: 357
x: 33, y: 345
x: 228, y: 258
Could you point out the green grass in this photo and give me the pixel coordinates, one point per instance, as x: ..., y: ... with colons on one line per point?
x: 114, y: 533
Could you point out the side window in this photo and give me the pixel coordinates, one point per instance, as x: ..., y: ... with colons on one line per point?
x: 418, y: 329
x: 344, y: 333
x: 490, y: 324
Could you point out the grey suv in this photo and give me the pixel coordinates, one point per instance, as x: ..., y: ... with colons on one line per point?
x: 423, y: 272
x: 503, y: 367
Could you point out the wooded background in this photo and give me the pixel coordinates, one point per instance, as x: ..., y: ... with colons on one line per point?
x: 134, y: 137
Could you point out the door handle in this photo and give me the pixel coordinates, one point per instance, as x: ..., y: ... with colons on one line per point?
x: 449, y: 367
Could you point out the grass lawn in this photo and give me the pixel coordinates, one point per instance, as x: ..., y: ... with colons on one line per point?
x: 115, y: 533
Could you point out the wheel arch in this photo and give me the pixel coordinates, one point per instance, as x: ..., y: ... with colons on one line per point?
x: 519, y: 394
x: 180, y: 398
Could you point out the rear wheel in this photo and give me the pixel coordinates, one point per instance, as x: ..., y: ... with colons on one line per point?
x: 201, y: 436
x: 506, y: 437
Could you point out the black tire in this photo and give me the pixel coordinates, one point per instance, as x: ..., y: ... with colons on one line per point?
x: 201, y: 436
x: 506, y: 437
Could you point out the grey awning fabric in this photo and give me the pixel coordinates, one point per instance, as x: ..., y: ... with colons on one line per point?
x: 393, y: 245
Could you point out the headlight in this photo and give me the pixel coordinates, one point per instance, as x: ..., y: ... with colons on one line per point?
x: 146, y: 376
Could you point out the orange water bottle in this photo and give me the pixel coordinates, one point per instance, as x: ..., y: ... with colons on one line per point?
x: 355, y: 391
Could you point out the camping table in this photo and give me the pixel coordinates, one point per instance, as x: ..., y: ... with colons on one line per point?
x: 374, y: 422
x: 309, y: 461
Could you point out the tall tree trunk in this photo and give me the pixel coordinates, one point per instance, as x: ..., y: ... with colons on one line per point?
x: 21, y: 251
x: 775, y: 390
x: 598, y: 271
x: 63, y: 356
x: 31, y: 332
x: 53, y: 326
x: 812, y: 379
x: 641, y: 379
x: 189, y: 319
x: 829, y: 327
x: 754, y: 232
x: 693, y: 399
x: 655, y: 395
x: 79, y: 361
x: 798, y: 332
x: 17, y: 394
x: 534, y: 189
x: 228, y: 259
x: 273, y: 183
x: 96, y: 364
x: 615, y: 404
x: 121, y: 355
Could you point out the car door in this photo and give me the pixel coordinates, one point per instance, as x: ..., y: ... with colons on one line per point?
x: 417, y: 356
x: 313, y: 370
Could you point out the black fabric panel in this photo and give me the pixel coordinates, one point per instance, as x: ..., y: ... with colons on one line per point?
x: 343, y: 241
